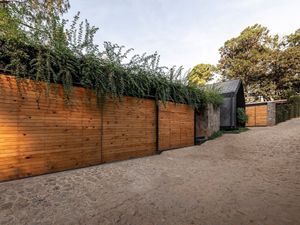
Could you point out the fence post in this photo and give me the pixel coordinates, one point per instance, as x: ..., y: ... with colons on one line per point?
x: 195, y: 129
x: 157, y: 127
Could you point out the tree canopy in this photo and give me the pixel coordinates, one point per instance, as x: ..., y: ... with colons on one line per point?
x: 201, y: 74
x: 268, y: 66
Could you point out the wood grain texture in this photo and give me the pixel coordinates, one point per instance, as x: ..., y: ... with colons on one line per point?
x: 250, y: 112
x: 129, y: 129
x: 40, y: 133
x: 176, y: 126
x: 257, y: 115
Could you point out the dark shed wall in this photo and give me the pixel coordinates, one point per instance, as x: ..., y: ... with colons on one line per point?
x: 233, y: 93
x: 240, y: 103
x: 225, y: 111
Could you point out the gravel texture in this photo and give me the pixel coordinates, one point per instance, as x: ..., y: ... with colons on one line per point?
x: 247, y: 178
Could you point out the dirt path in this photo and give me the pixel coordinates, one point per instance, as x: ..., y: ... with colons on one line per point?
x: 248, y: 178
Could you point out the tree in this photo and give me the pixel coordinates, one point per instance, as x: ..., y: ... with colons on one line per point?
x: 36, y: 40
x: 247, y: 57
x: 293, y: 40
x: 33, y: 17
x: 268, y: 66
x: 201, y: 74
x: 286, y: 66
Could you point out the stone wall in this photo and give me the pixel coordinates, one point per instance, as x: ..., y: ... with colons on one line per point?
x: 271, y: 113
x: 207, y: 121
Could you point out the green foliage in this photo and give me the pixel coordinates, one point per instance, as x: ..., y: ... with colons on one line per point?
x: 286, y: 67
x: 216, y: 134
x: 282, y: 112
x: 294, y: 102
x: 212, y: 95
x: 294, y: 99
x: 293, y: 39
x: 236, y: 130
x: 242, y: 117
x: 288, y: 110
x: 201, y: 73
x: 268, y: 66
x: 42, y: 47
x: 231, y: 131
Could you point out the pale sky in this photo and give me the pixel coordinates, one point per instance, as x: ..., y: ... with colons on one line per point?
x: 183, y: 32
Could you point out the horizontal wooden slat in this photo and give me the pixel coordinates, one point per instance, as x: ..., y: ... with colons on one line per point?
x: 176, y: 126
x: 40, y: 133
x: 128, y: 129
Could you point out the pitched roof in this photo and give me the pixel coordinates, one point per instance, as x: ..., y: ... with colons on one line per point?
x: 227, y: 87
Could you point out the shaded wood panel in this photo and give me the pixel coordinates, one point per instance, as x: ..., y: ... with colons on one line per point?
x: 261, y: 115
x: 176, y: 126
x: 250, y: 112
x: 9, y: 148
x: 40, y: 133
x: 129, y: 129
x: 257, y: 115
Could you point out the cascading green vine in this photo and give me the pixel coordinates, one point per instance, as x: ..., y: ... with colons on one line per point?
x: 45, y: 50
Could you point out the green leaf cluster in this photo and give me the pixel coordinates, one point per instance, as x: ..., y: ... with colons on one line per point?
x: 42, y: 47
x: 269, y: 66
x: 201, y: 74
x: 242, y: 117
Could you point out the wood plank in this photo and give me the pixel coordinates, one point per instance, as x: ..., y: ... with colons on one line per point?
x: 176, y: 123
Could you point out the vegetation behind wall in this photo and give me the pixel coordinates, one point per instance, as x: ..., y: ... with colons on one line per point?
x: 37, y: 43
x: 288, y: 110
x: 294, y: 101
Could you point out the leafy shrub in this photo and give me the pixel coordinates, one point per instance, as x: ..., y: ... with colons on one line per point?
x: 235, y: 130
x: 242, y: 117
x: 52, y: 53
x: 216, y: 134
x: 282, y: 112
x: 294, y: 101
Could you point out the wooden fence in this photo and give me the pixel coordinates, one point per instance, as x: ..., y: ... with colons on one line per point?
x: 176, y: 126
x: 273, y: 112
x: 257, y: 115
x: 40, y: 133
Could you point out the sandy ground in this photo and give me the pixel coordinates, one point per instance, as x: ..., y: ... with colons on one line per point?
x: 247, y: 178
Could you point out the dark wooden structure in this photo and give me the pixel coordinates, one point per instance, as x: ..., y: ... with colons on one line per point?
x: 233, y: 93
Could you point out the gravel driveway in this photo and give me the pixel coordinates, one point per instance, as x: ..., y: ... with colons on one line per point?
x: 247, y: 178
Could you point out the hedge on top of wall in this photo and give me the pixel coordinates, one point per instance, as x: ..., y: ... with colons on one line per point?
x: 104, y: 73
x: 38, y: 43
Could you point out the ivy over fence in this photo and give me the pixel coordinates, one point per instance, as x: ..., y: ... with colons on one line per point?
x: 37, y: 43
x: 105, y: 73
